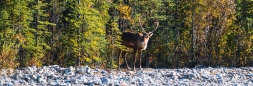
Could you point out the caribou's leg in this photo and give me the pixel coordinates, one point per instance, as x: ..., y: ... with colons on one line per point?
x: 119, y: 58
x: 135, y: 53
x: 125, y: 54
x: 140, y: 55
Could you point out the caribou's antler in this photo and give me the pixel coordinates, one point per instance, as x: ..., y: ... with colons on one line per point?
x: 157, y: 24
x: 141, y: 23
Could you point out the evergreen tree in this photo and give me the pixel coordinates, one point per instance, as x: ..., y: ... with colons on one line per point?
x: 35, y: 47
x: 15, y: 31
x: 84, y: 30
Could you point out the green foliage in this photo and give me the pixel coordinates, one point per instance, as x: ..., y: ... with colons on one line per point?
x: 8, y: 57
x: 87, y: 32
x: 12, y: 22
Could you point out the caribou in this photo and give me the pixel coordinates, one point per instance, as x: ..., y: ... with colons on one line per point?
x: 137, y: 42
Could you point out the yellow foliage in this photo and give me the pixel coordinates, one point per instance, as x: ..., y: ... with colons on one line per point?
x: 20, y: 38
x: 8, y: 56
x: 88, y: 60
x: 34, y: 62
x: 125, y: 11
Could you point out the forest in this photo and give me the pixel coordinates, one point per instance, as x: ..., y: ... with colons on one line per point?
x: 87, y: 32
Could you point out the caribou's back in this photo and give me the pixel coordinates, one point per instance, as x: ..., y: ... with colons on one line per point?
x: 133, y: 40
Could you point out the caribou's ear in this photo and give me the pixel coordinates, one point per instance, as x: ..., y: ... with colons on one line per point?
x: 150, y: 33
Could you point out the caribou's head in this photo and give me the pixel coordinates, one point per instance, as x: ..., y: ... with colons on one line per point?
x: 144, y: 36
x: 143, y: 39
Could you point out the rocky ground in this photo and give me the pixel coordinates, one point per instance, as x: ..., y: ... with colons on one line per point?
x: 59, y: 76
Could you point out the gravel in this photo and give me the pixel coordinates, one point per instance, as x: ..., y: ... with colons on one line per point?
x: 55, y: 75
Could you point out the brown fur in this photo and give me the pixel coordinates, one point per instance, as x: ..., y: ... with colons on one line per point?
x: 137, y: 42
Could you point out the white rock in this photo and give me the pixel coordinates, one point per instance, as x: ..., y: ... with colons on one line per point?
x: 34, y: 68
x: 34, y: 77
x: 41, y: 80
x: 234, y: 77
x: 129, y: 73
x: 80, y: 70
x: 55, y: 66
x: 219, y: 78
x: 64, y: 71
x: 9, y: 84
x: 104, y: 72
x: 88, y: 69
x: 72, y: 69
x: 192, y: 76
x: 75, y: 81
x: 123, y: 83
x: 104, y: 80
x: 40, y: 71
x: 55, y: 75
x: 205, y: 76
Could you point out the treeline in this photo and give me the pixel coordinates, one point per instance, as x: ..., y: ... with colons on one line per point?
x: 87, y: 32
